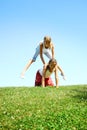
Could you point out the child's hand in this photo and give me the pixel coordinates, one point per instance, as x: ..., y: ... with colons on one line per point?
x: 63, y: 76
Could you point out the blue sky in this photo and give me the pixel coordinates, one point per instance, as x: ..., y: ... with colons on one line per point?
x: 23, y: 23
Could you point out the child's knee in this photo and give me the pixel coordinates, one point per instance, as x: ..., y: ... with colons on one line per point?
x: 33, y: 60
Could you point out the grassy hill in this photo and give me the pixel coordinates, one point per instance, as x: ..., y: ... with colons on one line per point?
x: 36, y: 108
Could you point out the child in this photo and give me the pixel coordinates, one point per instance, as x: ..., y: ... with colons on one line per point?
x: 43, y: 48
x: 43, y: 76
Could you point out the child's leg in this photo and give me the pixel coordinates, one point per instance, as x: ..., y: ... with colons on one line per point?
x: 36, y: 53
x: 34, y: 57
x: 29, y: 63
x: 38, y: 79
x: 49, y: 82
x: 26, y: 67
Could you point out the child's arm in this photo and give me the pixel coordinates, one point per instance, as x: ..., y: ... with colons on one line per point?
x: 41, y: 53
x: 62, y: 73
x: 43, y: 76
x: 43, y: 81
x: 56, y: 77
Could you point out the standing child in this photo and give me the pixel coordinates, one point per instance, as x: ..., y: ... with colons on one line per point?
x: 44, y: 47
x: 43, y: 75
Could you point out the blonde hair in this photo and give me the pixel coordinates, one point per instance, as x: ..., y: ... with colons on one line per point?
x: 47, y: 38
x: 53, y: 60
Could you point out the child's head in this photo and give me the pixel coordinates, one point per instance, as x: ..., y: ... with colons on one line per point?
x: 47, y: 41
x: 52, y: 63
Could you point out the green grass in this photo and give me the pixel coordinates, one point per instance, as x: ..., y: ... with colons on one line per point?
x: 36, y: 108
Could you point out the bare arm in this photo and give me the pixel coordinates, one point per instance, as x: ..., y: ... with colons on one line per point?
x: 52, y: 49
x: 43, y: 76
x: 41, y: 53
x: 62, y: 73
x: 56, y: 77
x: 43, y: 81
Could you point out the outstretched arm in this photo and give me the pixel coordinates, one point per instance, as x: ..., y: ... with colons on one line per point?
x: 41, y: 53
x: 62, y: 73
x: 56, y: 77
